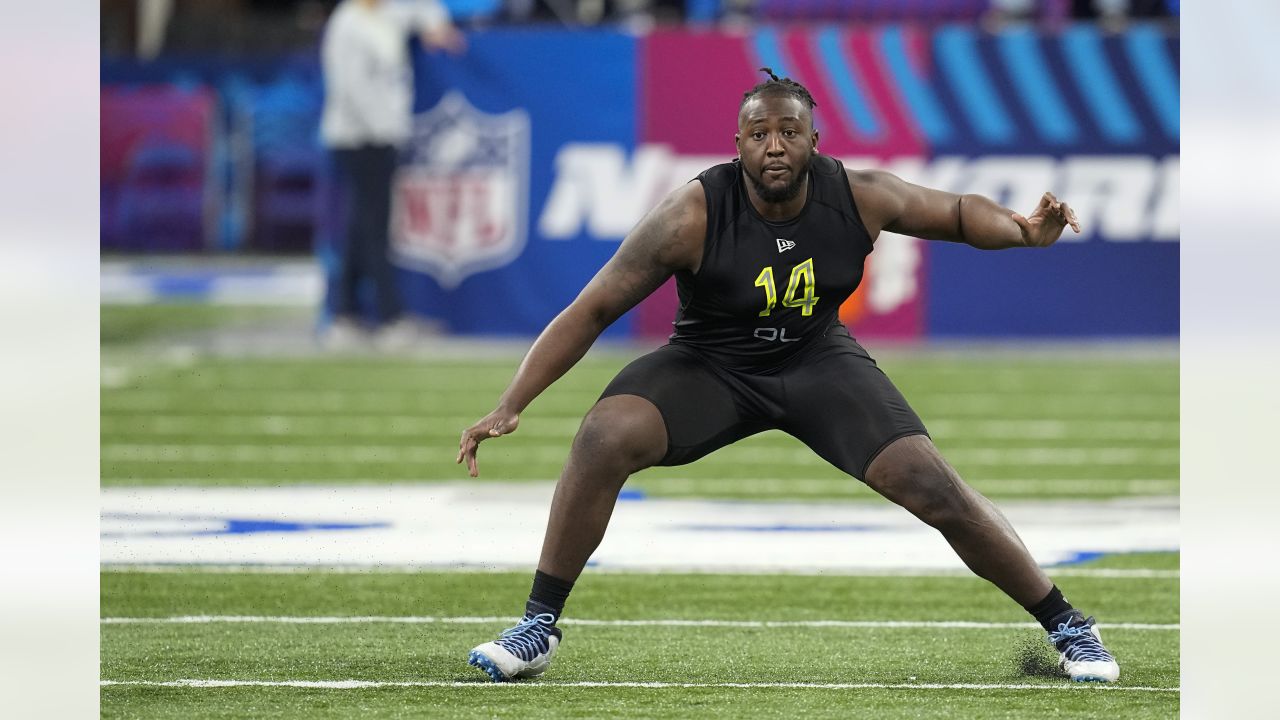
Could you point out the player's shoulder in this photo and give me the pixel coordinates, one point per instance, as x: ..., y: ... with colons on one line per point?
x: 678, y: 226
x: 878, y: 194
x: 721, y: 176
x: 688, y: 198
x: 871, y: 177
x: 826, y: 165
x: 682, y: 213
x: 872, y: 186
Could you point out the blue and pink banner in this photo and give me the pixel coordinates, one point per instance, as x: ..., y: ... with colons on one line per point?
x: 1092, y: 118
x: 537, y: 151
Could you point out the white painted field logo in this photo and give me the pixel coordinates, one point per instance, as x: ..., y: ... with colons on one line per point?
x: 460, y: 198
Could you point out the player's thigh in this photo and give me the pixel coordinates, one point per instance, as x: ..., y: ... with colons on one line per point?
x: 698, y: 408
x: 845, y: 408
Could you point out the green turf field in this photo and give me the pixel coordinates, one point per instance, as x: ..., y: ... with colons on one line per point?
x: 1017, y: 427
x: 452, y: 612
x: 1014, y: 427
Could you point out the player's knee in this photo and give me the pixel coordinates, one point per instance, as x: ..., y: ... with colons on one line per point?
x: 944, y: 505
x: 621, y: 436
x: 924, y: 484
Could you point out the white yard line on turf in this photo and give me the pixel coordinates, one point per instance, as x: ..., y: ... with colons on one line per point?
x: 372, y: 684
x: 427, y: 620
x: 309, y: 425
x: 1118, y: 406
x: 1114, y: 573
x: 1165, y: 486
x: 287, y: 569
x: 846, y: 485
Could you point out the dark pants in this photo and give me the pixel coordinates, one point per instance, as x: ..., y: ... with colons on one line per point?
x: 366, y: 175
x: 832, y: 397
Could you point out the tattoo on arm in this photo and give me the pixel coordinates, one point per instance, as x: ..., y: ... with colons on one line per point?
x: 635, y: 275
x: 644, y: 260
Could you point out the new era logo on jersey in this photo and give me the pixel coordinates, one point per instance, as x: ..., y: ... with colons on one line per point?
x: 785, y: 245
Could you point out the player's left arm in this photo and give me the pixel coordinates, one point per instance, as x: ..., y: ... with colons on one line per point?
x: 887, y: 202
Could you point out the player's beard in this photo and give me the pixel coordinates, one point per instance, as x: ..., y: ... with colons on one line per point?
x: 786, y: 192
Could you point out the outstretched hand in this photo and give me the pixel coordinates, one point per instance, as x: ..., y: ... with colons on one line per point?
x: 1045, y: 224
x: 495, y: 424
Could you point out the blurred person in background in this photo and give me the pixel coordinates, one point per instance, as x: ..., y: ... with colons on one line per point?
x: 368, y: 78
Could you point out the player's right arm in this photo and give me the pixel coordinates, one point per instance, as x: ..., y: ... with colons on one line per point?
x: 667, y: 239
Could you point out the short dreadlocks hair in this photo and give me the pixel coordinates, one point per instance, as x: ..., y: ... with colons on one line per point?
x: 779, y: 86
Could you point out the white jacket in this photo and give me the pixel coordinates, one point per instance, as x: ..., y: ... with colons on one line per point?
x: 368, y: 76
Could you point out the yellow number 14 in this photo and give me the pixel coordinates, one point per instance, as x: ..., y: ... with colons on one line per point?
x: 802, y: 274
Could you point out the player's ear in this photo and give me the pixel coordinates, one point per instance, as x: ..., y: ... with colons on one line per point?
x: 815, y: 140
x: 737, y: 142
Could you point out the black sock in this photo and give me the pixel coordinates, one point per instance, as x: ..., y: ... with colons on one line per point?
x: 1048, y: 609
x: 548, y: 595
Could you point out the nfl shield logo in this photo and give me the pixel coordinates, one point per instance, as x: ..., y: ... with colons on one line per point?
x: 460, y: 201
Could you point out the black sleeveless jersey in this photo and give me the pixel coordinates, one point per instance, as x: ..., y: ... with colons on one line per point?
x: 765, y: 290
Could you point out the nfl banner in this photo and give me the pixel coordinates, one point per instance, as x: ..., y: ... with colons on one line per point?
x: 460, y: 197
x: 481, y: 164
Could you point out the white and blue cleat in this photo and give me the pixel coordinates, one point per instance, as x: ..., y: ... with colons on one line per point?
x: 522, y: 651
x: 1083, y: 656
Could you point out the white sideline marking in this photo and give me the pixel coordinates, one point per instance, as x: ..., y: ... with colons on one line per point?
x: 471, y: 525
x: 427, y: 620
x: 364, y: 684
x: 1118, y: 573
x: 1115, y: 572
x: 797, y: 486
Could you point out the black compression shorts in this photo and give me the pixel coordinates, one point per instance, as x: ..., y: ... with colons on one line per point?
x: 832, y: 397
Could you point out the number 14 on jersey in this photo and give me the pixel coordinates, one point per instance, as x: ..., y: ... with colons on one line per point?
x: 802, y: 274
